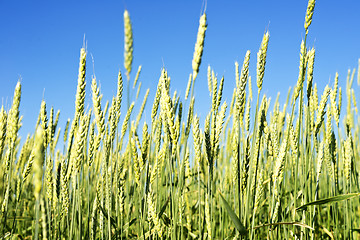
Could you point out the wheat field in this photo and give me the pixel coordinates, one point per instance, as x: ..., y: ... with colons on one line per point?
x: 250, y: 169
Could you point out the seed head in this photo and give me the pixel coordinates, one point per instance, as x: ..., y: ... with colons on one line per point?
x: 261, y: 60
x: 80, y: 91
x: 199, y: 46
x: 128, y: 53
x: 309, y: 15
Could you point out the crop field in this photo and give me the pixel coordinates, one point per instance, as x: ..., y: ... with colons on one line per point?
x: 252, y: 168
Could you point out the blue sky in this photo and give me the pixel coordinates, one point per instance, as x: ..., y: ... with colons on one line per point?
x: 41, y: 40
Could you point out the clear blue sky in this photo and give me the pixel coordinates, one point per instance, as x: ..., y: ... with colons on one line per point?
x: 40, y: 42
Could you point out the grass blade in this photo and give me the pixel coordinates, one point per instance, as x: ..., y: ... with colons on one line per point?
x: 233, y: 216
x: 329, y: 200
x: 299, y: 224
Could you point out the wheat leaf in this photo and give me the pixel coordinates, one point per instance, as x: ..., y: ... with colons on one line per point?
x: 233, y: 216
x: 329, y: 200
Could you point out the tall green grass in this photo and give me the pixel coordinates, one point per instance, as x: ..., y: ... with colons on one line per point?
x: 278, y: 175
